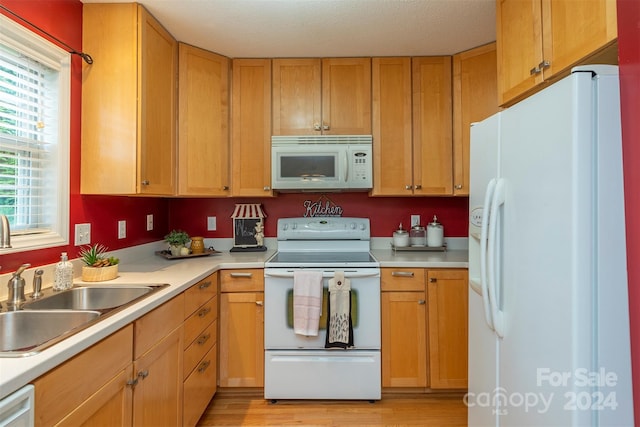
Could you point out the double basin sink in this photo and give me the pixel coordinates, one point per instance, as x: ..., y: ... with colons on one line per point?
x: 43, y: 322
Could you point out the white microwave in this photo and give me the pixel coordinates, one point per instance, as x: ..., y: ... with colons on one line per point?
x: 321, y: 163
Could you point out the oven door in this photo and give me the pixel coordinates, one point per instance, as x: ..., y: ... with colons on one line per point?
x: 278, y: 309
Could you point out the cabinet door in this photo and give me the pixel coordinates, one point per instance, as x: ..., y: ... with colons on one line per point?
x: 158, y: 62
x: 157, y: 397
x: 203, y: 121
x: 448, y: 329
x: 296, y: 97
x: 251, y: 130
x: 519, y: 46
x: 404, y: 347
x: 474, y: 99
x: 432, y: 121
x: 346, y: 96
x: 241, y: 339
x: 392, y: 155
x: 573, y: 30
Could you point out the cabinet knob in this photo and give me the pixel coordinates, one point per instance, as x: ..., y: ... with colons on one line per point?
x: 203, y: 339
x: 205, y: 285
x: 143, y: 374
x: 408, y: 187
x: 432, y: 280
x: 544, y: 65
x: 418, y: 187
x: 225, y: 188
x: 132, y: 383
x: 421, y: 302
x: 316, y: 126
x: 204, y: 365
x: 458, y: 186
x: 260, y: 303
x: 326, y: 127
x: 534, y: 71
x: 145, y: 182
x: 203, y: 312
x: 266, y: 188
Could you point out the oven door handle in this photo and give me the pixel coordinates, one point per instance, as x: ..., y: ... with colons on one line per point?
x: 329, y: 274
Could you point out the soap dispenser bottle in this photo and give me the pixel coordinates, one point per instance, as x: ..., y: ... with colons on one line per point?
x: 63, y: 279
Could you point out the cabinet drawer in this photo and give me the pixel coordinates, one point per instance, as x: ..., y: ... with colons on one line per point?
x: 199, y: 320
x: 200, y: 293
x: 199, y: 388
x: 249, y: 280
x: 197, y: 349
x: 402, y: 279
x: 157, y: 324
x: 64, y: 388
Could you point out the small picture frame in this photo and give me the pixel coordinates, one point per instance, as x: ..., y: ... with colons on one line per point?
x: 244, y: 231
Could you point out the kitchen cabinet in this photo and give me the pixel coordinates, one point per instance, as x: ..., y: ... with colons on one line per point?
x: 404, y: 346
x: 241, y: 353
x: 330, y: 96
x: 539, y: 41
x: 392, y: 130
x: 132, y: 377
x: 200, y: 349
x: 475, y: 97
x: 432, y: 121
x: 447, y: 291
x: 203, y: 123
x: 251, y: 128
x: 129, y: 99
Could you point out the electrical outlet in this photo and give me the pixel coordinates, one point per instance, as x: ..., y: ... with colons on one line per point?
x: 122, y: 229
x: 83, y: 234
x: 211, y: 223
x: 415, y: 220
x: 149, y: 222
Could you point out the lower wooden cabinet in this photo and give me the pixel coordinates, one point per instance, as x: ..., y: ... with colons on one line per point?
x: 241, y: 328
x: 132, y: 377
x: 424, y: 328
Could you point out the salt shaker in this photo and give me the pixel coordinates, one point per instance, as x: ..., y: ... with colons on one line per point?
x: 435, y: 233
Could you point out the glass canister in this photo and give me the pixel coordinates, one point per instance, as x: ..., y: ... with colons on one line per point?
x: 197, y: 245
x: 400, y: 238
x: 418, y: 236
x: 435, y: 233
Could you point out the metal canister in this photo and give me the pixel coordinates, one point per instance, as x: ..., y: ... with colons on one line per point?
x: 435, y: 233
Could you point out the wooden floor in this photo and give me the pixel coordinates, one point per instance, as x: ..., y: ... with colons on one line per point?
x: 440, y: 410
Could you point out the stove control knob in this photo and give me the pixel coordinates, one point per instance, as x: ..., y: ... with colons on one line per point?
x: 353, y: 225
x: 285, y: 226
x: 294, y: 226
x: 363, y: 226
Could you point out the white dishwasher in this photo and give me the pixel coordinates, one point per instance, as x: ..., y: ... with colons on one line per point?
x: 16, y: 410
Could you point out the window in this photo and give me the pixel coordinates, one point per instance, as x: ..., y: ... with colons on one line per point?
x: 34, y: 137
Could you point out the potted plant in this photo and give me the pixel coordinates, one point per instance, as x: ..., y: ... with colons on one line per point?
x: 98, y: 267
x: 177, y: 240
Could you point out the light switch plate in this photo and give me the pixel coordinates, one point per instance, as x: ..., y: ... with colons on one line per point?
x: 415, y: 220
x: 83, y: 234
x: 149, y: 222
x: 122, y: 229
x: 211, y: 223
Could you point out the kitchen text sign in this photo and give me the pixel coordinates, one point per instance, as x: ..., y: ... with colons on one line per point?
x: 322, y: 207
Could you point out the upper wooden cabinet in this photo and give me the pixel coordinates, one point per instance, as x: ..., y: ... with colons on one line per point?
x: 322, y: 96
x: 251, y: 128
x: 203, y: 123
x: 539, y: 40
x: 475, y: 97
x: 392, y: 132
x: 128, y: 102
x: 432, y: 121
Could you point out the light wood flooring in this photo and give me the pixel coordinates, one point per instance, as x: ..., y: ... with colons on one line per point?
x: 440, y: 410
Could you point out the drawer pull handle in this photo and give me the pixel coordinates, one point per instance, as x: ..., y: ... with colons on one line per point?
x: 204, y: 311
x: 205, y: 285
x: 203, y: 339
x: 260, y: 303
x: 402, y: 273
x: 204, y: 365
x: 241, y: 274
x: 143, y: 374
x: 421, y: 302
x: 132, y: 383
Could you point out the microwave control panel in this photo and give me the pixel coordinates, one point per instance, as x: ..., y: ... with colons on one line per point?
x: 361, y: 167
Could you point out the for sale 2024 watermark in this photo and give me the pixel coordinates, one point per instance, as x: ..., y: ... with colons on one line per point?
x: 578, y: 390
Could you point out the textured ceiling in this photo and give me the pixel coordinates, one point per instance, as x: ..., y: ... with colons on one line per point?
x: 326, y: 28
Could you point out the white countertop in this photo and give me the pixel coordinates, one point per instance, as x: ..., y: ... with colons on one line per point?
x: 141, y: 266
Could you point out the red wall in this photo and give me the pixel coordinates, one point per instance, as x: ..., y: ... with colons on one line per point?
x: 629, y: 56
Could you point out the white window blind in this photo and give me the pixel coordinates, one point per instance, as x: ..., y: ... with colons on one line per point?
x: 34, y: 137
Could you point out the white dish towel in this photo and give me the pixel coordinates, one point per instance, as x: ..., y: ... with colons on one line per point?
x: 339, y: 322
x: 307, y: 302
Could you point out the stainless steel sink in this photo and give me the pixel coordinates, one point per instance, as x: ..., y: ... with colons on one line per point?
x: 43, y: 322
x: 23, y: 331
x: 90, y: 298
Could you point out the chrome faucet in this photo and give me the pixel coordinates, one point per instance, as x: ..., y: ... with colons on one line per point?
x: 5, y: 232
x: 16, y: 289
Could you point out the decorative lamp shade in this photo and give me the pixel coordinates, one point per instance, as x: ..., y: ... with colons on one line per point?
x: 248, y: 228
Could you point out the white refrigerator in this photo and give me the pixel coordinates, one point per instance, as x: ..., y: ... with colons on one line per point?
x: 548, y: 306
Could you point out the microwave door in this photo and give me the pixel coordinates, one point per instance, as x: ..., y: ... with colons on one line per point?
x: 300, y: 170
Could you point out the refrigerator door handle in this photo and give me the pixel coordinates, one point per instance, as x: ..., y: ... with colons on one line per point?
x: 493, y: 255
x: 484, y: 285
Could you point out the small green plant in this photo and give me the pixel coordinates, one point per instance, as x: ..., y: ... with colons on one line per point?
x: 177, y: 238
x: 94, y: 256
